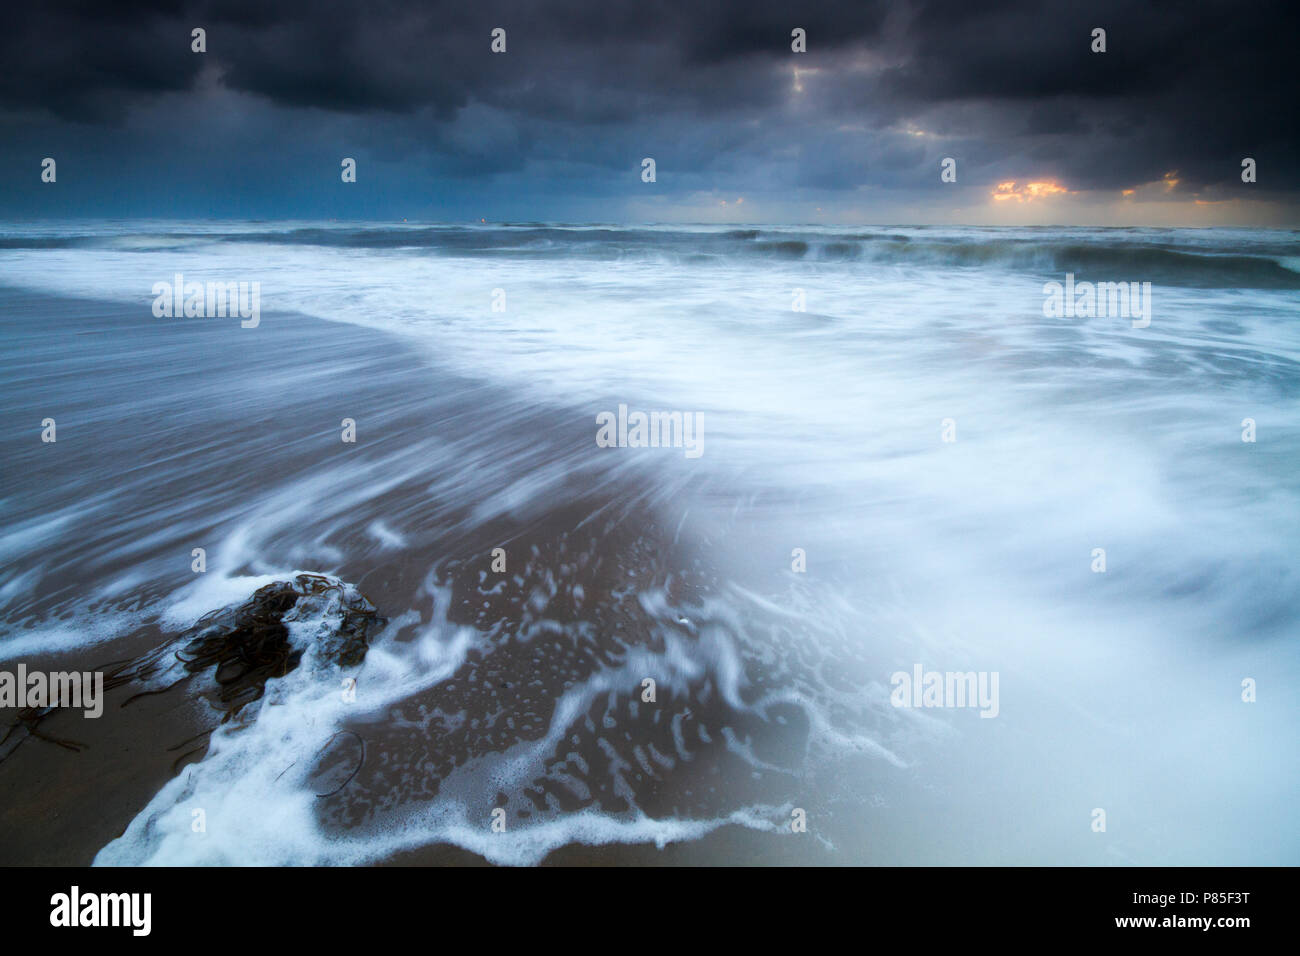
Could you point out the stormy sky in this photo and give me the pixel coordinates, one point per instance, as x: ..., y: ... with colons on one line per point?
x: 741, y: 128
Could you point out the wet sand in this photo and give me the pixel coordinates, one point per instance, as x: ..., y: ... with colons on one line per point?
x: 521, y: 691
x: 198, y: 426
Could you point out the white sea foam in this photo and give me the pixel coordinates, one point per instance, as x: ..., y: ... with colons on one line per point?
x: 824, y: 435
x: 257, y: 810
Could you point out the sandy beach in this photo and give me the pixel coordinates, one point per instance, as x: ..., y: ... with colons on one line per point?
x: 532, y: 578
x: 577, y: 564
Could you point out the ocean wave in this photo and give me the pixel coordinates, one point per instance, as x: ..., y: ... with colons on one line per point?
x: 1203, y: 259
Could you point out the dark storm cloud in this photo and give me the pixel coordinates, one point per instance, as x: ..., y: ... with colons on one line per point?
x: 86, y: 62
x: 1186, y: 85
x: 346, y: 56
x: 1010, y: 88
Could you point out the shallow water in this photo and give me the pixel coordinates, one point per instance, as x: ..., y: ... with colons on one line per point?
x: 821, y: 430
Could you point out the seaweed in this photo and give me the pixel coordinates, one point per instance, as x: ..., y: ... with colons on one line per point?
x: 29, y: 718
x: 244, y: 646
x: 247, y: 645
x: 355, y: 770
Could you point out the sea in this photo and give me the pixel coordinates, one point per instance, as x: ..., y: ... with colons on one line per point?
x: 664, y: 522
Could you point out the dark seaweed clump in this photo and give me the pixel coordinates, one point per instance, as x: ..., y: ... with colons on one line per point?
x: 245, y: 645
x: 248, y: 644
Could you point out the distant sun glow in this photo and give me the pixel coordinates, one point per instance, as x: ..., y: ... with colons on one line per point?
x: 1026, y: 192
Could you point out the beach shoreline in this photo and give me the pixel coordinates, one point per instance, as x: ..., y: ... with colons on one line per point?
x: 917, y: 486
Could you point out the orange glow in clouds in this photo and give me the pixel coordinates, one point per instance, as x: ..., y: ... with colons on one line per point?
x: 1027, y: 192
